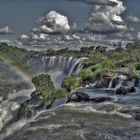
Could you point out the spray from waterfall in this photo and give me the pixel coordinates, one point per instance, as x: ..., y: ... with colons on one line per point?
x: 58, y: 67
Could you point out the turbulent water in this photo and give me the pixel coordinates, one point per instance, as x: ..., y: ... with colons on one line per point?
x: 57, y: 67
x: 80, y: 122
x: 116, y: 119
x: 110, y: 120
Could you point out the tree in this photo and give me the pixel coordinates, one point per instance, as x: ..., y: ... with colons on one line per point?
x: 43, y: 84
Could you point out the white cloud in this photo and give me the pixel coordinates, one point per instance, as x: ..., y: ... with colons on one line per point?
x: 107, y: 18
x: 54, y: 23
x: 133, y: 19
x: 5, y: 30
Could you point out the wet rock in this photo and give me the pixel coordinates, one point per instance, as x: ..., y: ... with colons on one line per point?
x: 129, y: 86
x: 78, y: 97
x: 126, y: 87
x: 101, y: 99
x: 136, y: 115
x: 121, y: 91
x: 122, y: 71
x: 31, y: 106
x: 115, y: 82
x: 103, y: 82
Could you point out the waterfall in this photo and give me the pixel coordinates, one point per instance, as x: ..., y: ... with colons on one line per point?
x: 110, y: 83
x: 76, y: 66
x: 69, y: 65
x: 57, y: 66
x: 119, y: 84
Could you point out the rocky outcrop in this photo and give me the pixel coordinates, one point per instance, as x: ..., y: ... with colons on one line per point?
x: 126, y: 87
x: 78, y: 96
x: 31, y: 106
x: 119, y: 80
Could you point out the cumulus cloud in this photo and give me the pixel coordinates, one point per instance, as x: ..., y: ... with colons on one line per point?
x: 107, y: 18
x: 5, y: 30
x: 133, y: 19
x: 54, y: 22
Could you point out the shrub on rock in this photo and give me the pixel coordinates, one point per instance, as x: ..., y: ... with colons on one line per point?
x: 70, y: 83
x: 43, y: 84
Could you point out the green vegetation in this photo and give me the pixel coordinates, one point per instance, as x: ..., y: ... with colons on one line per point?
x: 98, y: 63
x: 60, y: 93
x: 86, y: 75
x: 16, y: 57
x: 44, y: 85
x: 102, y: 67
x: 70, y: 83
x: 133, y: 71
x: 46, y: 90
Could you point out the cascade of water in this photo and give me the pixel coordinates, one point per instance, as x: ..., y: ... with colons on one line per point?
x: 68, y: 65
x: 60, y: 59
x: 119, y: 84
x: 57, y: 66
x: 76, y: 66
x: 52, y: 61
x: 110, y: 83
x: 70, y: 59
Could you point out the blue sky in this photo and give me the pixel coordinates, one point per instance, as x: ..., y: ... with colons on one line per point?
x: 21, y: 15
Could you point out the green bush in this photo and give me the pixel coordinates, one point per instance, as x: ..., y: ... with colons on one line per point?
x: 133, y: 71
x: 43, y: 84
x: 60, y: 93
x: 103, y: 67
x: 85, y: 73
x: 70, y: 83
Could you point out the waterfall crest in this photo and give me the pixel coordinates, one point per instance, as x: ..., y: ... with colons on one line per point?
x: 57, y: 66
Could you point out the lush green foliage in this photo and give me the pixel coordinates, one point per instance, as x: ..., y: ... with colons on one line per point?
x: 60, y: 93
x: 86, y: 74
x: 46, y: 90
x: 99, y: 61
x: 102, y: 67
x: 70, y: 83
x: 43, y: 84
x: 133, y: 71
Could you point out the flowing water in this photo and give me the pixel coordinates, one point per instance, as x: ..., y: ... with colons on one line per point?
x: 116, y: 119
x: 80, y: 122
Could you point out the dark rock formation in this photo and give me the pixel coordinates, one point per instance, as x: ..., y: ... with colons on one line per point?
x: 136, y: 115
x: 103, y: 83
x: 126, y: 87
x: 121, y: 91
x: 80, y: 96
x: 31, y: 106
